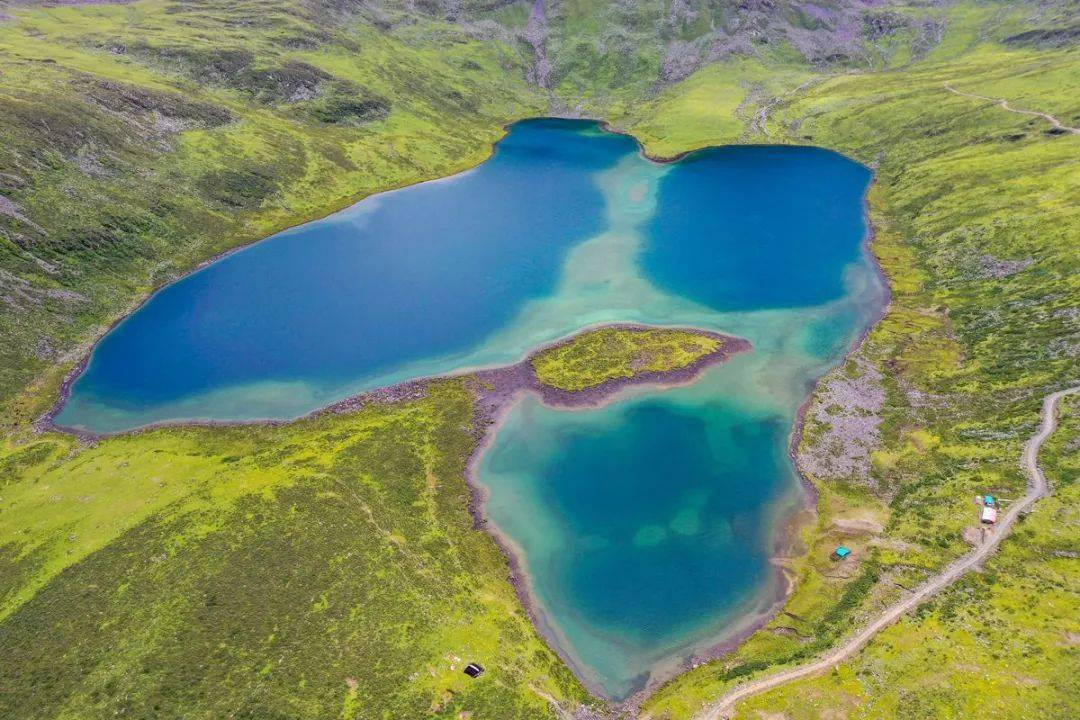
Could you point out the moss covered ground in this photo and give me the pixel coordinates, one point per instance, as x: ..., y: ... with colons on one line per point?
x: 330, y: 567
x: 606, y: 354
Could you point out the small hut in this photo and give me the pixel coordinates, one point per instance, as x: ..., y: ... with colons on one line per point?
x: 989, y: 515
x: 473, y: 670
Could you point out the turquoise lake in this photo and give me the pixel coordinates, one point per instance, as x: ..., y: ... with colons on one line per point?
x: 645, y: 528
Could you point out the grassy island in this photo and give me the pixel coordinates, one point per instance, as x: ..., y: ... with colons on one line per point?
x: 613, y: 353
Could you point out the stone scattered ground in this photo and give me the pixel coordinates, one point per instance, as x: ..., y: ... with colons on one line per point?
x: 843, y: 420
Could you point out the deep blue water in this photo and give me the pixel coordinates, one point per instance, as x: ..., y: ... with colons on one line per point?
x: 757, y: 227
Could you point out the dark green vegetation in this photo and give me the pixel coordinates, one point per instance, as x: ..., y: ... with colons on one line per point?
x: 189, y: 567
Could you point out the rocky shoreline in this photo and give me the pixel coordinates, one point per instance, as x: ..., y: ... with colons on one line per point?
x: 800, y: 415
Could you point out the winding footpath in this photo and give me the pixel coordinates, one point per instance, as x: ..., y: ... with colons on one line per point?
x: 1005, y: 104
x: 1037, y: 488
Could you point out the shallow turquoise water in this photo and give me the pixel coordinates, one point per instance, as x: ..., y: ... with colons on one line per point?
x: 645, y: 527
x: 657, y: 523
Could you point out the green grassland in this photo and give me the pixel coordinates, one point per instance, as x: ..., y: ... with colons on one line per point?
x: 596, y: 357
x: 327, y: 568
x: 330, y: 567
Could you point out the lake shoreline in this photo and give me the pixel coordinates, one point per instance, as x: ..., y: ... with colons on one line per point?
x: 586, y: 398
x: 498, y: 390
x: 83, y: 354
x: 799, y: 427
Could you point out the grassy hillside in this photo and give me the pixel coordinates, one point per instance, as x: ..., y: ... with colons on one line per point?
x: 329, y: 567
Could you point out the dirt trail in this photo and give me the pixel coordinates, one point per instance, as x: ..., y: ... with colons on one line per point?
x: 1005, y: 104
x: 1037, y: 488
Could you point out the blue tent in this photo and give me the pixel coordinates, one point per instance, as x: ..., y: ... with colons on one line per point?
x: 841, y: 552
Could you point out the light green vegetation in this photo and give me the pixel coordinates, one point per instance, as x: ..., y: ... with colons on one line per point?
x: 711, y: 107
x: 596, y: 357
x: 327, y: 568
x: 265, y: 571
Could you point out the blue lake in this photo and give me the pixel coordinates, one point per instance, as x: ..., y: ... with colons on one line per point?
x: 407, y: 275
x: 645, y: 527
